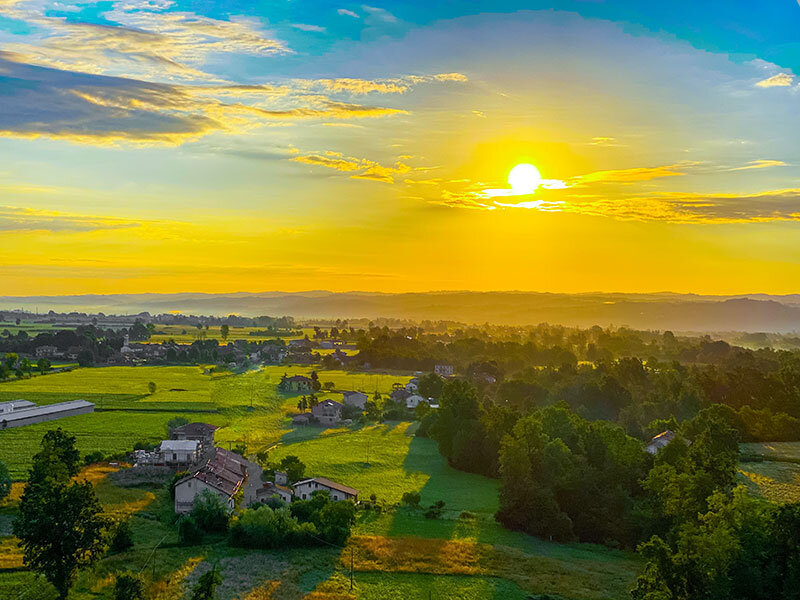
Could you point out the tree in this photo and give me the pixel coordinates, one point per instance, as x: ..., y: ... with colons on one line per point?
x: 315, y: 381
x: 85, y: 358
x: 43, y: 365
x: 293, y: 468
x: 11, y: 360
x: 174, y: 423
x: 129, y: 586
x: 430, y: 385
x: 151, y: 387
x: 224, y: 331
x: 206, y: 585
x: 121, y: 538
x: 60, y: 523
x: 5, y: 481
x: 210, y: 512
x: 189, y: 533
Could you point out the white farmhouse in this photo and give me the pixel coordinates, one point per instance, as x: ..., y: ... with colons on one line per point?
x: 179, y: 452
x: 303, y: 489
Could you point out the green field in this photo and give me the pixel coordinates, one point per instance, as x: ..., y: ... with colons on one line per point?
x: 777, y: 478
x: 397, y: 552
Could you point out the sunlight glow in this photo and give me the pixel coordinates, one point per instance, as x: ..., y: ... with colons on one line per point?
x: 524, y: 179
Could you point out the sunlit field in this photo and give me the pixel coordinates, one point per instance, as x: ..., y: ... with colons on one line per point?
x: 777, y: 477
x: 396, y: 552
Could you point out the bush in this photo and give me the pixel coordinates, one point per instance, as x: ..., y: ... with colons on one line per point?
x: 411, y: 499
x: 5, y: 481
x: 210, y: 512
x: 467, y: 515
x: 129, y: 586
x: 93, y: 457
x: 189, y: 533
x: 265, y: 528
x: 121, y: 538
x: 435, y: 510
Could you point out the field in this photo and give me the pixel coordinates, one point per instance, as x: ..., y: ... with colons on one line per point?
x: 396, y: 553
x: 777, y: 478
x: 186, y: 334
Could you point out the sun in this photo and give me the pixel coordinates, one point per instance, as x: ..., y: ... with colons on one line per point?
x: 524, y: 179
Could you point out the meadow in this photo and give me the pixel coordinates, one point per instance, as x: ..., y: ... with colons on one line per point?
x: 777, y: 477
x: 396, y: 552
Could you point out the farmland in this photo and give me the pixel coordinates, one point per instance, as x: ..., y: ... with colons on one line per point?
x: 777, y: 477
x: 397, y: 552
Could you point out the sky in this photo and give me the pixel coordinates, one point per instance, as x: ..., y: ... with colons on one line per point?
x: 173, y: 146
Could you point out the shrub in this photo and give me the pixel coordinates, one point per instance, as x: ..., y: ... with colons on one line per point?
x: 93, y: 457
x: 411, y: 499
x: 121, y: 538
x: 435, y: 510
x: 5, y: 481
x: 129, y: 586
x: 265, y: 528
x: 210, y: 512
x: 467, y: 515
x: 189, y: 533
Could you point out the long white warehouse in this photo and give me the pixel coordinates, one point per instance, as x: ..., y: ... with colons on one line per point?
x: 28, y: 413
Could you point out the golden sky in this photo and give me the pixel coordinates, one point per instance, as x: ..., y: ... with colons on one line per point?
x: 147, y: 148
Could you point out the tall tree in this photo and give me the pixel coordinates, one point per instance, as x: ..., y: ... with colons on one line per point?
x: 60, y: 524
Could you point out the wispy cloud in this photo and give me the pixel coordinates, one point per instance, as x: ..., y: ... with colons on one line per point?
x: 348, y: 13
x: 395, y: 85
x: 380, y: 14
x: 779, y: 80
x: 760, y: 164
x: 628, y: 175
x: 361, y: 168
x: 14, y: 218
x: 307, y: 27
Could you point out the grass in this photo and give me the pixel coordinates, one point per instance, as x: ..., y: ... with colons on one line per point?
x: 777, y: 478
x: 387, y: 460
x: 397, y: 553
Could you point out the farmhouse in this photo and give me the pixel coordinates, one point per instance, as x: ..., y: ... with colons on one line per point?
x: 28, y: 415
x: 327, y: 412
x: 224, y: 475
x: 296, y: 383
x: 47, y: 351
x: 358, y: 399
x: 274, y: 489
x: 200, y: 432
x: 414, y: 400
x: 443, y: 370
x: 659, y: 441
x: 303, y: 489
x: 179, y: 452
x: 413, y: 385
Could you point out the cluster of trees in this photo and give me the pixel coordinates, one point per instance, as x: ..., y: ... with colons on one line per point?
x: 302, y: 523
x: 12, y: 364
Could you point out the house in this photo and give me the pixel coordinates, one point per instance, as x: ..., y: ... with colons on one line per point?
x: 224, y: 476
x: 301, y: 419
x: 413, y: 401
x: 304, y: 345
x: 296, y: 383
x: 47, y: 352
x: 328, y: 412
x: 659, y: 441
x: 399, y: 395
x: 413, y: 385
x: 443, y: 370
x: 178, y: 452
x: 281, y: 478
x: 29, y: 414
x: 201, y: 432
x: 358, y: 399
x: 303, y: 489
x: 274, y: 489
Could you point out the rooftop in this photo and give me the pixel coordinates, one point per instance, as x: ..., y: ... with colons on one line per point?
x: 49, y: 409
x: 329, y: 484
x: 179, y: 445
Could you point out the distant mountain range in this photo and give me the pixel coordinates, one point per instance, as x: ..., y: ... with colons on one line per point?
x: 662, y: 311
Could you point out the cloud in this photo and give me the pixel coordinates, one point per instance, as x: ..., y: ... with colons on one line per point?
x: 627, y: 175
x: 97, y: 109
x: 361, y: 168
x: 380, y: 14
x: 143, y: 39
x: 760, y: 164
x: 779, y: 80
x: 395, y: 85
x: 14, y: 218
x: 306, y: 27
x: 348, y: 13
